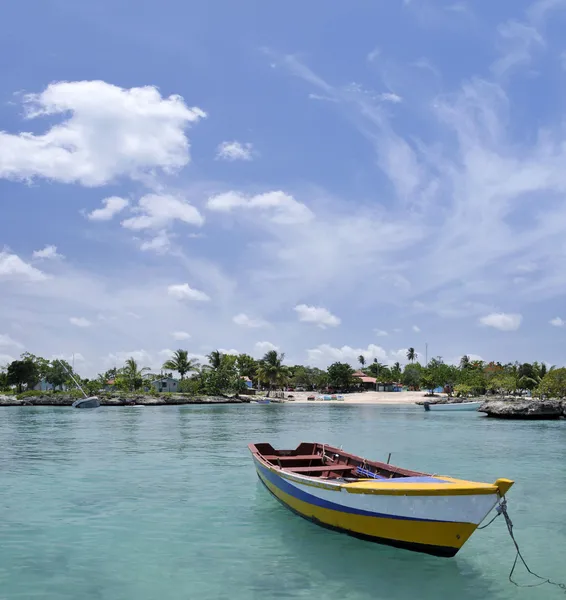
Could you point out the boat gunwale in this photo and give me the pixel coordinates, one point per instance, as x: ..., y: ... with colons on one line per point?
x: 449, y: 486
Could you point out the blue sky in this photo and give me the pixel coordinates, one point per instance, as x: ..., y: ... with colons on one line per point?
x: 328, y: 179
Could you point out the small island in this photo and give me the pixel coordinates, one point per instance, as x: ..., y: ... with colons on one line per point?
x: 507, y: 391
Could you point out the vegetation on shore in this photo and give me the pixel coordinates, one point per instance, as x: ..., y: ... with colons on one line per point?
x: 226, y: 374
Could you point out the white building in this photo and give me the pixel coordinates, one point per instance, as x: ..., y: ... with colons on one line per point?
x: 165, y: 384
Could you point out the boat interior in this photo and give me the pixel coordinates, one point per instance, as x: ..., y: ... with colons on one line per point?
x: 328, y: 462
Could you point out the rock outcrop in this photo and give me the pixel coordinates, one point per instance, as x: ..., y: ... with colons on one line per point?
x: 523, y: 409
x: 118, y: 400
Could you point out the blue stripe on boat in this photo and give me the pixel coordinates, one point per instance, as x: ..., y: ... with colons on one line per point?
x: 286, y: 487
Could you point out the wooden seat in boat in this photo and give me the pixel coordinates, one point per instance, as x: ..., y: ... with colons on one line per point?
x: 298, y: 457
x: 334, y: 468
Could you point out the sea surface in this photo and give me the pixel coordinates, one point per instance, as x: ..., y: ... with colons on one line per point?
x: 164, y: 504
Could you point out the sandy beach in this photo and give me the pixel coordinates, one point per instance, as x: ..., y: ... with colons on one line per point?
x: 364, y: 397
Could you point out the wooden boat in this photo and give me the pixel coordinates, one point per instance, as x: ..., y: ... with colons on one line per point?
x: 453, y: 406
x: 377, y: 501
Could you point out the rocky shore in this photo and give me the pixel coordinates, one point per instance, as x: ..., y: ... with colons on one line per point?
x: 524, y: 409
x: 120, y: 400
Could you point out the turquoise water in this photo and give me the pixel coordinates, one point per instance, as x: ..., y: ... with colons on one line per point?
x: 163, y: 503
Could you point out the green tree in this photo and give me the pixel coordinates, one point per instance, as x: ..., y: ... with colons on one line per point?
x: 22, y: 372
x: 340, y: 376
x: 464, y: 362
x: 181, y: 363
x: 132, y: 375
x: 412, y: 375
x: 553, y: 384
x: 215, y: 359
x: 247, y: 366
x: 271, y: 370
x: 362, y: 360
x: 412, y: 355
x: 58, y: 373
x: 396, y: 372
x: 436, y: 374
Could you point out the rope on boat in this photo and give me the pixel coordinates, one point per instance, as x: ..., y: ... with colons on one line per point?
x: 502, y: 510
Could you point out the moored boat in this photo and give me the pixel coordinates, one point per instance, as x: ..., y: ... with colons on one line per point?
x: 377, y: 501
x: 452, y: 406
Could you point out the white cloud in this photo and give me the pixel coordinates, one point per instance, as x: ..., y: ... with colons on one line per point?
x: 166, y: 354
x: 380, y: 333
x: 230, y: 351
x: 245, y: 321
x: 316, y: 314
x: 390, y: 97
x: 12, y: 267
x: 416, y: 328
x: 142, y: 357
x: 7, y: 342
x: 70, y: 358
x: 279, y: 207
x: 502, y: 321
x: 106, y: 132
x: 234, y: 151
x: 181, y: 335
x: 183, y: 291
x: 6, y: 359
x: 518, y: 42
x: 325, y: 354
x: 263, y: 347
x: 47, y: 253
x: 557, y: 322
x: 112, y: 206
x: 160, y: 243
x: 160, y: 210
x: 80, y: 322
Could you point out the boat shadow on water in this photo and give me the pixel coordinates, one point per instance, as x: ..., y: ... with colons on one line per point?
x: 381, y: 572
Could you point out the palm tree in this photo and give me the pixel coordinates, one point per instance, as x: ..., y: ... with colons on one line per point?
x: 362, y: 360
x: 271, y: 369
x: 412, y: 355
x: 215, y: 359
x: 133, y: 374
x: 464, y: 362
x: 181, y: 363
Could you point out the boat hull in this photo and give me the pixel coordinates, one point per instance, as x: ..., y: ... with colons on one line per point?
x: 460, y: 406
x: 437, y: 524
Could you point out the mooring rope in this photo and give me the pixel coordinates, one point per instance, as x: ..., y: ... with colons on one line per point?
x: 502, y: 510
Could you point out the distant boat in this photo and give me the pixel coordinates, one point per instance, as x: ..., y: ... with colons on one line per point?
x: 87, y: 401
x: 375, y: 501
x: 90, y: 402
x: 453, y: 406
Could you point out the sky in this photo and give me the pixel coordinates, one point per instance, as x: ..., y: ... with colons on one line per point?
x: 328, y: 179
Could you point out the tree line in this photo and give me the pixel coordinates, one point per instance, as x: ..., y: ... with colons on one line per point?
x: 227, y: 373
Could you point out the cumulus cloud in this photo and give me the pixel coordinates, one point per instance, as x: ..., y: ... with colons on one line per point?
x: 557, y: 322
x: 245, y: 321
x: 6, y: 359
x: 49, y: 252
x: 160, y: 243
x: 12, y: 267
x: 7, y: 342
x: 111, y: 207
x: 279, y: 207
x: 183, y: 291
x: 502, y: 321
x: 380, y: 332
x: 117, y: 359
x: 160, y: 210
x: 105, y: 132
x: 318, y: 315
x: 181, y: 335
x: 234, y: 151
x: 325, y: 354
x: 80, y: 322
x: 263, y: 347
